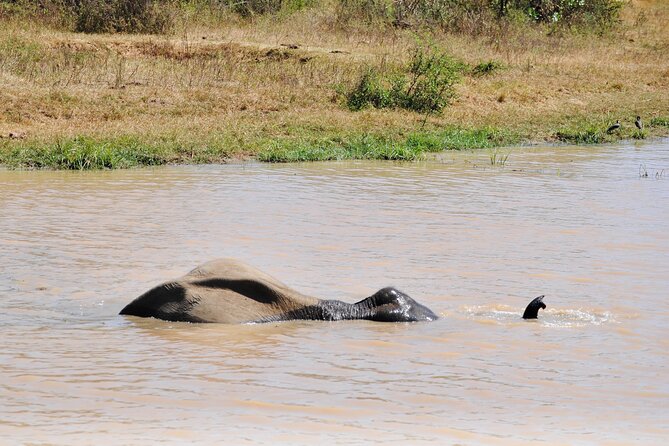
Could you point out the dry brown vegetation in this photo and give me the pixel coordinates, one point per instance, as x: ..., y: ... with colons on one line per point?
x: 247, y: 83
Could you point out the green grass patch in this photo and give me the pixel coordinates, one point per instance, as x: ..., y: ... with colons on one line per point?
x: 660, y: 121
x: 594, y: 131
x: 19, y: 56
x: 86, y: 153
x: 591, y: 130
x: 22, y: 48
x: 460, y: 139
x: 356, y: 147
x: 589, y: 135
x: 638, y: 134
x: 486, y: 68
x: 411, y: 147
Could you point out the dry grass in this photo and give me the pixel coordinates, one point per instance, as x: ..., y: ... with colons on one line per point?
x: 252, y: 83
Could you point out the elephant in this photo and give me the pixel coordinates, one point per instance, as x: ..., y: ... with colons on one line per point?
x: 232, y: 292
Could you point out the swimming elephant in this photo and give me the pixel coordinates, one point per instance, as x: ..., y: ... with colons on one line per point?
x: 229, y: 291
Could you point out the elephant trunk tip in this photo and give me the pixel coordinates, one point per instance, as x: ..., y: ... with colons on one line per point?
x: 532, y: 309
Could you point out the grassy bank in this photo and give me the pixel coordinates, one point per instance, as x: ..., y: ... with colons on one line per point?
x: 277, y: 88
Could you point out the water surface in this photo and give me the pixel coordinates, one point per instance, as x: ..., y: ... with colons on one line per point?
x: 474, y: 242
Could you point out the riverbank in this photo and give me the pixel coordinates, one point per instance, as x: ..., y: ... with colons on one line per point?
x: 274, y: 89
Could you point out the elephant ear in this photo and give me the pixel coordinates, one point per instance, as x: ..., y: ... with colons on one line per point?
x: 168, y: 301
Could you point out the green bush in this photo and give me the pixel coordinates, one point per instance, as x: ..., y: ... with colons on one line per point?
x: 57, y: 13
x: 478, y: 16
x: 572, y: 12
x: 370, y: 91
x: 126, y: 16
x: 427, y: 87
x: 250, y: 7
x: 364, y: 11
x: 431, y: 82
x: 468, y: 16
x: 247, y: 8
x: 454, y: 15
x: 486, y: 68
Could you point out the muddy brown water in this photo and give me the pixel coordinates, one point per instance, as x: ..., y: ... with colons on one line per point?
x: 473, y: 242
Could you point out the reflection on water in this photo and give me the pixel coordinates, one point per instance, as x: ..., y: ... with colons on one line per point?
x: 474, y: 243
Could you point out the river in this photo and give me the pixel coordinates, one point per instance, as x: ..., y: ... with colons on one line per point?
x: 588, y: 227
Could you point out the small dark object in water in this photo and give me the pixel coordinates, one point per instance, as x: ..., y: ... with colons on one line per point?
x: 638, y: 123
x: 614, y: 127
x: 533, y: 308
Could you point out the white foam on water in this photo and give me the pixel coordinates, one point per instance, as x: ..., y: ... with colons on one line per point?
x: 550, y: 317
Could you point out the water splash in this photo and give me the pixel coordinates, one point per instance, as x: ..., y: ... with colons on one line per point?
x: 576, y: 317
x: 550, y: 317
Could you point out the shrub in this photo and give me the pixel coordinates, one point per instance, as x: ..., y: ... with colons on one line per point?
x: 454, y: 15
x: 427, y: 87
x: 431, y: 85
x: 486, y: 68
x: 127, y: 16
x: 572, y: 12
x: 479, y: 16
x: 472, y: 16
x: 365, y: 11
x: 369, y: 91
x: 248, y: 8
x: 468, y: 16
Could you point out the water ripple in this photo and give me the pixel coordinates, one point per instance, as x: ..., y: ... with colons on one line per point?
x: 472, y: 241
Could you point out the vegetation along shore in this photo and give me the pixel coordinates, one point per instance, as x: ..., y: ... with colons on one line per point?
x: 121, y: 83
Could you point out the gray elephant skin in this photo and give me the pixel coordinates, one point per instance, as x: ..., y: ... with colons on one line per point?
x: 229, y: 291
